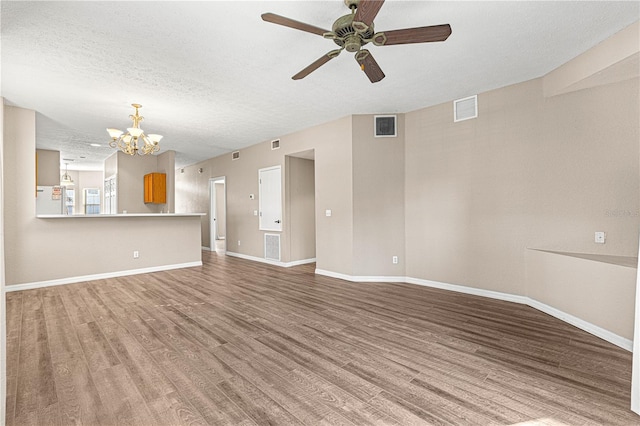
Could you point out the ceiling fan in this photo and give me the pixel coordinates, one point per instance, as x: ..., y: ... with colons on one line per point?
x: 351, y: 32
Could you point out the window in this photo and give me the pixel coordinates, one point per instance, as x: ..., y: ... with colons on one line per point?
x: 91, y: 201
x: 69, y: 200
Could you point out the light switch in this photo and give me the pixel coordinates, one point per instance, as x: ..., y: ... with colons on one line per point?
x: 255, y: 212
x: 600, y: 237
x: 327, y: 213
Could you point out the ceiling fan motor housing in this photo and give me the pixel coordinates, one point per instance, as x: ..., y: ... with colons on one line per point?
x: 347, y: 35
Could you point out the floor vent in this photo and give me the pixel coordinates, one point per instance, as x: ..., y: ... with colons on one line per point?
x: 272, y: 247
x: 465, y: 109
x: 235, y: 155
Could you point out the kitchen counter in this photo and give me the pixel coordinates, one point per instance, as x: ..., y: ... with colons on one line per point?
x: 119, y: 215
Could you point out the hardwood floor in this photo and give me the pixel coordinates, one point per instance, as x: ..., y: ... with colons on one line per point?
x: 240, y: 343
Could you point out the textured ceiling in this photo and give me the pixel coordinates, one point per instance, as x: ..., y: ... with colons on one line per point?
x: 213, y: 77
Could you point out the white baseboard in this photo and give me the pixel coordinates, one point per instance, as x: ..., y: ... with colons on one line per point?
x: 207, y: 248
x: 508, y: 297
x: 360, y: 278
x: 271, y: 262
x: 83, y: 278
x: 597, y: 331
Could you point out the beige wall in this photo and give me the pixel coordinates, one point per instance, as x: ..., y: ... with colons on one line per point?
x: 378, y: 199
x: 333, y: 190
x: 615, y: 59
x: 528, y: 172
x: 130, y: 183
x: 48, y: 167
x: 130, y: 171
x: 166, y: 163
x: 39, y: 250
x: 597, y: 292
x: 111, y: 165
x: 85, y: 179
x: 192, y: 195
x: 460, y: 203
x: 300, y: 204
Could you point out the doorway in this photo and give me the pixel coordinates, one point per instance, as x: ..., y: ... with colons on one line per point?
x: 301, y: 206
x: 218, y: 215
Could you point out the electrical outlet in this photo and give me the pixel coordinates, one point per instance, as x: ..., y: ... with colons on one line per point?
x: 394, y: 259
x: 238, y: 243
x: 600, y: 237
x: 136, y: 254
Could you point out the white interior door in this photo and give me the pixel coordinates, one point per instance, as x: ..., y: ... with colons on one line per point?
x: 217, y: 210
x: 270, y: 198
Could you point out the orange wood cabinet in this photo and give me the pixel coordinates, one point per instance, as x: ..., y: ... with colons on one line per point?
x: 155, y: 188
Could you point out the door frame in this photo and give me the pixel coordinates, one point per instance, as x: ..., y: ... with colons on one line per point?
x: 213, y: 222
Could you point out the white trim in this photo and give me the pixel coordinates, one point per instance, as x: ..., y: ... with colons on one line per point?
x: 361, y: 279
x: 213, y: 216
x: 271, y: 262
x: 508, y: 297
x: 597, y: 331
x: 300, y: 262
x: 206, y: 248
x: 83, y: 278
x: 593, y: 329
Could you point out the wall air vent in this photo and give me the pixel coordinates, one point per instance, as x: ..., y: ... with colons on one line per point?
x: 465, y: 109
x: 235, y: 155
x: 275, y: 144
x: 272, y: 247
x: 384, y: 126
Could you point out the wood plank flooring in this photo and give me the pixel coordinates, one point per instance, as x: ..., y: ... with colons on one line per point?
x: 241, y: 343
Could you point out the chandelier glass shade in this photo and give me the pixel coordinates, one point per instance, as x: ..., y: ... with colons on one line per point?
x: 134, y: 141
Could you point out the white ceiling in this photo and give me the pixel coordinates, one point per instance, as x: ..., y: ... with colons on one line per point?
x: 213, y: 77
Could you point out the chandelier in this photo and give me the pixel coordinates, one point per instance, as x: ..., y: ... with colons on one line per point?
x: 65, y: 179
x: 134, y: 141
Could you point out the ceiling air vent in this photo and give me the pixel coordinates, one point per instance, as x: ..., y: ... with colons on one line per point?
x: 275, y: 144
x: 235, y: 155
x: 384, y: 126
x: 465, y: 109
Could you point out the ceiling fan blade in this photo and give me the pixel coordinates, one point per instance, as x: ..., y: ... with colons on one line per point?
x: 367, y: 11
x: 281, y: 20
x: 369, y: 65
x: 317, y: 64
x: 413, y: 35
